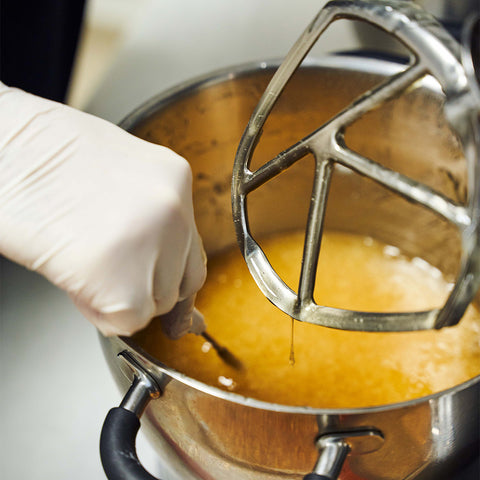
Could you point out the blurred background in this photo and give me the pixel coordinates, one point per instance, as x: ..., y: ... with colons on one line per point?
x: 56, y: 387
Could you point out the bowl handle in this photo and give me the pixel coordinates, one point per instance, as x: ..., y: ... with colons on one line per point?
x: 335, y: 446
x: 118, y: 453
x: 119, y: 431
x: 117, y: 446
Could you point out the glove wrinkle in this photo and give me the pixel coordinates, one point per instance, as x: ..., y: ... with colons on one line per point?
x: 48, y: 255
x: 26, y: 122
x: 38, y: 170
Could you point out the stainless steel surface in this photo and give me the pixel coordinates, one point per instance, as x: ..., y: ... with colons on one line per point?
x: 333, y: 452
x: 214, y: 434
x: 471, y: 56
x: 334, y: 448
x: 143, y: 388
x: 433, y: 52
x: 451, y: 13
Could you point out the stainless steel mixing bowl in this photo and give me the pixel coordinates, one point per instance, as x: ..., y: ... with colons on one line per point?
x: 219, y: 435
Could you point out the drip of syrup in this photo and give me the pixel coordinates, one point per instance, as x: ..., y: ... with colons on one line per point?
x: 291, y: 359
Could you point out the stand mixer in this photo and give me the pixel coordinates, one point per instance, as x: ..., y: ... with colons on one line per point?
x: 448, y: 417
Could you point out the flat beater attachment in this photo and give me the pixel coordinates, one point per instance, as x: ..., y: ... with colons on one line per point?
x: 433, y: 52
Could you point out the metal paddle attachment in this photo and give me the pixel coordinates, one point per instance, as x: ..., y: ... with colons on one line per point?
x: 433, y: 52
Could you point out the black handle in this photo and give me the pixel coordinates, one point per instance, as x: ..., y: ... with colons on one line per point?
x: 117, y: 446
x: 315, y: 476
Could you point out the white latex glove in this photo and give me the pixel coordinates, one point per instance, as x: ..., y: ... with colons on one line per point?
x: 102, y: 214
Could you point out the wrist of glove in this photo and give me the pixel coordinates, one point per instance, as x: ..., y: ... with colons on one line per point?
x: 103, y: 215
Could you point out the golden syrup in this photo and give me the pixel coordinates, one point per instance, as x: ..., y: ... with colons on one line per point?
x: 331, y: 368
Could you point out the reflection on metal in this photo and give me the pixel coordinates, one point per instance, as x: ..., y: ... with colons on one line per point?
x: 333, y: 452
x: 433, y: 52
x: 334, y: 448
x: 443, y: 430
x: 143, y: 389
x: 471, y: 57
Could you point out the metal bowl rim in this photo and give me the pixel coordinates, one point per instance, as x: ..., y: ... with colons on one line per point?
x: 160, y: 369
x: 332, y: 61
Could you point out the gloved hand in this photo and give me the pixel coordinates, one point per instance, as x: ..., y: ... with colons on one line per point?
x: 102, y: 214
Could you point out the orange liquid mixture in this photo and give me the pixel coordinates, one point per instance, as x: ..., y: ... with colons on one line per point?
x: 332, y: 368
